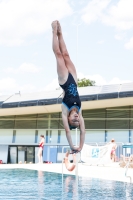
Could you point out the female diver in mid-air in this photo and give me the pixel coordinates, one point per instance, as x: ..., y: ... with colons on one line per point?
x: 67, y: 77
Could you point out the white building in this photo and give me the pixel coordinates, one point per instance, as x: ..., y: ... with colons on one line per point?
x: 107, y: 111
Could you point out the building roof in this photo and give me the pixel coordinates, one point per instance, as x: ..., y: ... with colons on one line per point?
x: 89, y: 95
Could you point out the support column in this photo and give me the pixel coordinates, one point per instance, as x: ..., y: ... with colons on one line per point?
x: 36, y: 136
x: 130, y: 136
x: 130, y: 133
x: 106, y: 136
x: 14, y: 136
x: 46, y: 136
x: 49, y: 125
x: 59, y: 135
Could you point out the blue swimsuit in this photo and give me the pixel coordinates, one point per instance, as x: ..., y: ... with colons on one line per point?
x: 71, y: 98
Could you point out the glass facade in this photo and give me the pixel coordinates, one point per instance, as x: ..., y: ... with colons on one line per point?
x: 24, y: 154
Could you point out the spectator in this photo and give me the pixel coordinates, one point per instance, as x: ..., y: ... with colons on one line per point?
x: 113, y: 149
x: 41, y: 145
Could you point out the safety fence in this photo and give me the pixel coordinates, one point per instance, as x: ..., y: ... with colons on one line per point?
x: 119, y: 150
x: 55, y: 152
x: 52, y: 152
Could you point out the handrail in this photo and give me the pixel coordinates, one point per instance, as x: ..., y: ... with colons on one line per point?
x: 62, y: 168
x: 32, y: 144
x: 76, y: 170
x: 92, y: 143
x: 128, y: 145
x: 127, y: 167
x: 62, y: 159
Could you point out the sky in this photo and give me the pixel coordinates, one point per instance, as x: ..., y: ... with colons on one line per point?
x: 98, y: 35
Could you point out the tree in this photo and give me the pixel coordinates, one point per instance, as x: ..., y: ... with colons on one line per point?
x: 85, y: 82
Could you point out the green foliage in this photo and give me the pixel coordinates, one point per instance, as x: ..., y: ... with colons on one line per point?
x: 85, y: 82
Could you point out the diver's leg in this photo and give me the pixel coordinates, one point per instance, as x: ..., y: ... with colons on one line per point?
x: 70, y: 66
x: 61, y: 66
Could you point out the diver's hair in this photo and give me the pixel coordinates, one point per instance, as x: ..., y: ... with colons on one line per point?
x: 72, y: 127
x: 42, y: 136
x: 112, y: 140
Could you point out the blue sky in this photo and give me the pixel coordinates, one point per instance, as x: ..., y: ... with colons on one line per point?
x: 105, y: 42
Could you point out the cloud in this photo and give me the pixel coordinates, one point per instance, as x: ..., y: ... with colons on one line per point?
x: 102, y: 81
x: 28, y: 67
x: 10, y: 86
x: 119, y: 36
x: 24, y: 68
x: 7, y: 84
x: 35, y: 54
x: 129, y: 45
x: 28, y: 88
x: 94, y: 10
x: 54, y: 85
x: 101, y: 41
x: 20, y: 19
x: 118, y: 14
x: 116, y: 80
x: 96, y: 77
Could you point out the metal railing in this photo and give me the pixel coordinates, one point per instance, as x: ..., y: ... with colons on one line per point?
x: 128, y: 149
x: 119, y: 151
x: 76, y: 171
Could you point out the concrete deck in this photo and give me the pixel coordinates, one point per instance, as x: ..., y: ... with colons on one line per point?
x: 108, y: 172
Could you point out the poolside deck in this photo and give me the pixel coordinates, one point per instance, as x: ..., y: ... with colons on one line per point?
x: 108, y: 172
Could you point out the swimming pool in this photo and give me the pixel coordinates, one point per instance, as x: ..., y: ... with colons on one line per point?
x: 24, y: 184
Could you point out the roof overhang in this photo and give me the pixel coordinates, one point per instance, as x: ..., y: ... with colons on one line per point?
x: 86, y: 105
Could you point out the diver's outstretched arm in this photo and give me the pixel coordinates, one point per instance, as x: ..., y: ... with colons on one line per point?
x: 67, y: 130
x: 82, y: 133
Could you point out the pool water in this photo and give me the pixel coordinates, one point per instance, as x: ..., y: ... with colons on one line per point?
x: 24, y: 184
